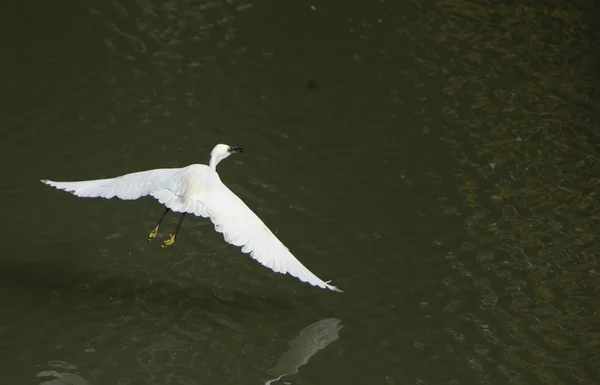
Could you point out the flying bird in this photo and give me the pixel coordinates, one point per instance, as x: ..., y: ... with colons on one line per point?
x: 197, y: 189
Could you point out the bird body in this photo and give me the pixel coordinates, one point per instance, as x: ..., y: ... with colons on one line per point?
x: 197, y: 189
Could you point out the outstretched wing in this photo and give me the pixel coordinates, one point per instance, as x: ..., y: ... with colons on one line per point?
x: 165, y: 184
x: 127, y: 187
x: 241, y: 227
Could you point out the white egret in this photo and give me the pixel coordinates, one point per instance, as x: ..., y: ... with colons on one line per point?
x: 197, y: 189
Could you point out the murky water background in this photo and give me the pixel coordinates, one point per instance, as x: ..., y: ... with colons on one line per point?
x: 437, y: 160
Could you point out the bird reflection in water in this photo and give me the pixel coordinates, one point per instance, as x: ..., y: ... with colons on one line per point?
x: 312, y: 338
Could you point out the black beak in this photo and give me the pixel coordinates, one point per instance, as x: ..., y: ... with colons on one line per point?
x: 235, y: 149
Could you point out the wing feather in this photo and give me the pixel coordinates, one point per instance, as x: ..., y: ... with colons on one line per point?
x: 127, y: 187
x: 240, y: 226
x: 166, y: 185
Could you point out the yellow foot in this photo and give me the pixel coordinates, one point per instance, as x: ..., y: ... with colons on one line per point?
x: 153, y: 234
x: 168, y: 242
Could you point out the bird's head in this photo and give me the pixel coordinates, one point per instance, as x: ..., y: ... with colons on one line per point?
x: 220, y: 152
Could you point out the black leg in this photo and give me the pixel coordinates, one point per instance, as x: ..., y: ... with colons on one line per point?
x: 163, y: 216
x: 155, y: 231
x: 178, y: 226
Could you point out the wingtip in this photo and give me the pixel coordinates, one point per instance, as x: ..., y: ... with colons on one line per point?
x: 333, y: 288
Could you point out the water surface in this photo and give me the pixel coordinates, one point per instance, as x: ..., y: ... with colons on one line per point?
x: 437, y: 160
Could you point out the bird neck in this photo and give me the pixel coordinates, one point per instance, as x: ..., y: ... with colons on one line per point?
x: 214, y: 162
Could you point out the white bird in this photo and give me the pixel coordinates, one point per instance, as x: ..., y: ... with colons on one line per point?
x: 197, y: 189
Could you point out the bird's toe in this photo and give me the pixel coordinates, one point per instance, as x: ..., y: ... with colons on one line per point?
x: 169, y: 241
x: 153, y: 234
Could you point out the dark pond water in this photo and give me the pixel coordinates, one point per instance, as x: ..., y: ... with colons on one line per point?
x: 438, y: 160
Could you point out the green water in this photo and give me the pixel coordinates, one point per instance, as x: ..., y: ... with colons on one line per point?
x: 436, y: 160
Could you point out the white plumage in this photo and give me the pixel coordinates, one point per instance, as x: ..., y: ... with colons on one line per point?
x: 197, y: 189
